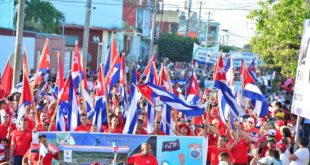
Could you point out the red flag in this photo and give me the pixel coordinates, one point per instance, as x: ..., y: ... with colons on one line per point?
x: 114, y: 52
x: 44, y: 64
x: 26, y: 97
x: 164, y: 79
x: 60, y: 75
x: 147, y: 92
x: 6, y: 80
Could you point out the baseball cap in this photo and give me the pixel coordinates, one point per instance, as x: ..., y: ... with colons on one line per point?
x: 280, y: 123
x: 271, y: 132
x: 282, y: 146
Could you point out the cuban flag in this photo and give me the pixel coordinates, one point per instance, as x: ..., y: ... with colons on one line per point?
x: 225, y: 112
x: 88, y: 101
x: 114, y: 73
x: 133, y: 81
x: 26, y: 97
x: 164, y: 79
x: 60, y: 76
x: 150, y: 71
x: 83, y: 70
x: 44, y: 64
x: 6, y: 79
x: 132, y: 115
x: 68, y: 110
x: 252, y: 92
x: 111, y: 55
x: 251, y: 69
x: 193, y: 90
x: 123, y: 85
x: 245, y: 75
x: 100, y: 113
x: 76, y: 69
x: 150, y: 91
x: 224, y: 92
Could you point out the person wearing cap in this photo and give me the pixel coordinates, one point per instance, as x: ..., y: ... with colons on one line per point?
x: 301, y: 156
x: 183, y: 130
x: 21, y: 139
x: 6, y: 126
x: 33, y: 156
x: 281, y: 147
x: 262, y: 146
x: 84, y: 126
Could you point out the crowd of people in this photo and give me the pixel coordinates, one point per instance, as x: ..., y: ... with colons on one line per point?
x: 249, y: 140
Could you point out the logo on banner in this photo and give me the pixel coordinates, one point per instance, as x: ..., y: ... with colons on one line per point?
x: 67, y: 155
x: 195, y: 151
x: 171, y: 145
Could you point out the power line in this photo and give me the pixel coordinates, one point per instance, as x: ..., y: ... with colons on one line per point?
x: 134, y: 4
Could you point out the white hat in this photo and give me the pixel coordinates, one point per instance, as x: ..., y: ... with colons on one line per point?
x: 271, y: 132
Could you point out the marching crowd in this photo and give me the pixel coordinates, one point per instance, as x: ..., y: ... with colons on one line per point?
x: 249, y: 140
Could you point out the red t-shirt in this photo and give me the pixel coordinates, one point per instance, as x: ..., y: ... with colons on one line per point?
x: 278, y: 135
x: 240, y: 151
x: 214, y: 152
x: 142, y: 132
x: 22, y: 140
x: 4, y: 130
x: 117, y: 130
x: 140, y: 159
x: 41, y: 128
x: 83, y: 128
x: 31, y: 124
x: 47, y: 160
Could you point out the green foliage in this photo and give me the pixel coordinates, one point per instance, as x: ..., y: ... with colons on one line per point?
x: 228, y: 48
x: 279, y: 27
x: 42, y: 16
x: 176, y: 48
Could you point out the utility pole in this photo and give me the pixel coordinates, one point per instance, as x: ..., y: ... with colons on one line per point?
x: 199, y: 21
x: 18, y: 41
x: 188, y: 17
x: 207, y: 30
x: 152, y: 29
x: 86, y: 30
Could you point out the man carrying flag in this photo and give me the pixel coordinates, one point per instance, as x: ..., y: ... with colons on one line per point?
x: 41, y: 153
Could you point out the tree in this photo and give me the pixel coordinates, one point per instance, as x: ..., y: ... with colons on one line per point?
x: 279, y: 27
x: 176, y: 48
x: 228, y: 48
x: 42, y: 16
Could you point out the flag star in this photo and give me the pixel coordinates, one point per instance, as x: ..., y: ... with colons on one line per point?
x: 221, y: 70
x: 48, y: 58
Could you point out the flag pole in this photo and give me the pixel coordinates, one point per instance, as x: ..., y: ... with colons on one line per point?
x: 53, y: 117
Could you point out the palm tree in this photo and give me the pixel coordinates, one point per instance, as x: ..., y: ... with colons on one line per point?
x: 42, y: 16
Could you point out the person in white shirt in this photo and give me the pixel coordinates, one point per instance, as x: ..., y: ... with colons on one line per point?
x: 281, y: 147
x: 301, y: 156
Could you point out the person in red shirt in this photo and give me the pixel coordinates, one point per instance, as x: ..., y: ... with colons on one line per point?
x: 239, y: 147
x: 140, y: 130
x: 20, y: 142
x: 143, y: 158
x: 278, y: 124
x: 214, y: 151
x: 183, y: 130
x: 33, y: 156
x: 114, y: 125
x: 250, y: 125
x: 156, y: 129
x: 31, y: 119
x: 6, y: 126
x: 84, y: 126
